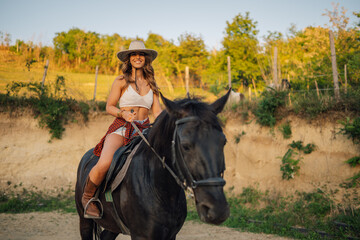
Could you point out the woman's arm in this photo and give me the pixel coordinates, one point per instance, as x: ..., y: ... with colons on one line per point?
x: 156, y: 107
x: 114, y: 96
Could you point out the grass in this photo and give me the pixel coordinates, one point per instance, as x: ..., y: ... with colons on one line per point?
x: 304, y: 215
x: 24, y: 201
x: 285, y: 129
x: 80, y: 86
x: 301, y: 216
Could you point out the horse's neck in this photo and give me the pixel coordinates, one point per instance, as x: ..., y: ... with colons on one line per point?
x: 158, y: 177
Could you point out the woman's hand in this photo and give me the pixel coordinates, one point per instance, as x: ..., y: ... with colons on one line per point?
x: 129, y: 116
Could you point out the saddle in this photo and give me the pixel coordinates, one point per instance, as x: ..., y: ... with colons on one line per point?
x: 119, y: 160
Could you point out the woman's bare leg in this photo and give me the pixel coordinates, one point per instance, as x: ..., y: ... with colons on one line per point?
x: 111, y: 144
x: 97, y: 174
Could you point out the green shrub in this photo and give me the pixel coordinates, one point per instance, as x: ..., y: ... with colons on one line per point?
x: 290, y: 165
x: 285, y: 129
x: 351, y: 129
x: 237, y: 137
x: 48, y: 102
x: 250, y: 195
x: 310, y: 105
x: 84, y: 110
x: 309, y: 148
x: 354, y: 161
x: 101, y: 106
x: 266, y: 108
x: 296, y: 145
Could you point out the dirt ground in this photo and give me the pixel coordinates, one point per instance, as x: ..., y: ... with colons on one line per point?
x: 60, y: 226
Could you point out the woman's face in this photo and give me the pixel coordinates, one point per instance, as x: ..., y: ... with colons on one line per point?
x: 137, y: 59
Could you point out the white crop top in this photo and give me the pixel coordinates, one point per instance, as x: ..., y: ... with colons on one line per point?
x: 131, y: 98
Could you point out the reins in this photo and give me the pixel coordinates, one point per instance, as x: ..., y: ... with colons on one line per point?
x: 218, y: 181
x: 162, y: 160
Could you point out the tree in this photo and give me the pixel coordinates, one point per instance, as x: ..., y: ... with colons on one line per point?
x: 192, y: 53
x: 241, y: 44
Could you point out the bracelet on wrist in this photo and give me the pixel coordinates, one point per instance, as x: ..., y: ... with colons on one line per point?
x: 120, y: 113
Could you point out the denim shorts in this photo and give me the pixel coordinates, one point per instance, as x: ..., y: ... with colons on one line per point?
x: 121, y: 131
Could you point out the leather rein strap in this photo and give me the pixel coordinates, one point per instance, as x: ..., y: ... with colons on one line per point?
x: 176, y: 151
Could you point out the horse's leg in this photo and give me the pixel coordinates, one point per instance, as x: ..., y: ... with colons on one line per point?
x: 86, y: 228
x: 107, y: 235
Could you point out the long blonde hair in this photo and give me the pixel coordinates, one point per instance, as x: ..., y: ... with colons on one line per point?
x: 148, y: 72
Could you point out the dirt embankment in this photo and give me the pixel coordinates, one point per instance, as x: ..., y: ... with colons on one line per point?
x: 256, y: 159
x: 29, y: 158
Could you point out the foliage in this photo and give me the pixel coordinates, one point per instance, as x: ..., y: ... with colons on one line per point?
x: 309, y: 148
x: 303, y: 55
x: 237, y: 137
x: 241, y: 44
x: 290, y: 165
x: 29, y: 62
x: 250, y: 195
x: 285, y: 129
x: 351, y: 129
x: 32, y: 200
x: 49, y: 103
x: 265, y: 111
x: 310, y: 105
x: 354, y: 180
x: 296, y: 145
x: 304, y: 215
x: 351, y: 182
x: 354, y: 161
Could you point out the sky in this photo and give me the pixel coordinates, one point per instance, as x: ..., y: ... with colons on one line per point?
x: 39, y: 20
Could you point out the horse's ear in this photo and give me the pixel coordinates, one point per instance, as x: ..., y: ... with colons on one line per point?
x: 171, y: 106
x: 219, y: 104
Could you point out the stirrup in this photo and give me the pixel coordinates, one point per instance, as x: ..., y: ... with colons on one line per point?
x: 87, y: 205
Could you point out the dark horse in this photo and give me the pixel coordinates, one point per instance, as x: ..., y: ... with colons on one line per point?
x: 151, y: 199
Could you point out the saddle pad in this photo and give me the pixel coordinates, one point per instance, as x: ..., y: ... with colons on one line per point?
x: 120, y: 176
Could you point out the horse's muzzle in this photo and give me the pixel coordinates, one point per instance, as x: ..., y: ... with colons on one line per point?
x: 212, y: 207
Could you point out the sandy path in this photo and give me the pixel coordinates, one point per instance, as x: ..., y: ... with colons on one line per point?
x: 60, y: 226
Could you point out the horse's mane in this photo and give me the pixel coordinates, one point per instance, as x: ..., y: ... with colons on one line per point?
x: 161, y: 133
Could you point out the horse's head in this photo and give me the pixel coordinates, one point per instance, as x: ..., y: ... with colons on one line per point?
x: 198, y: 153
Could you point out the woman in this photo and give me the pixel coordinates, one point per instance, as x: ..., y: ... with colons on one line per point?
x: 131, y: 98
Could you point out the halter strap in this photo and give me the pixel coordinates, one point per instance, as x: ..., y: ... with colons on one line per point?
x: 218, y: 181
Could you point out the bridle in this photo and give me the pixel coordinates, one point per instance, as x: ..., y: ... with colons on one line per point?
x: 177, y: 159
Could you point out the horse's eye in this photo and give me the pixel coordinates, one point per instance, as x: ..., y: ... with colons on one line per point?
x: 186, y: 146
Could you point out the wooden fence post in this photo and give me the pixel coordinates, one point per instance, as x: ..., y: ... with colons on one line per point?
x: 289, y: 99
x: 254, y: 85
x: 187, y: 79
x: 96, y: 75
x: 334, y: 65
x: 45, y: 72
x: 275, y: 75
x: 229, y: 70
x: 345, y: 72
x: 317, y: 89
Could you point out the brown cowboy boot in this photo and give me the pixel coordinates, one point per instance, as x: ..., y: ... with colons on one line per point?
x: 90, y: 208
